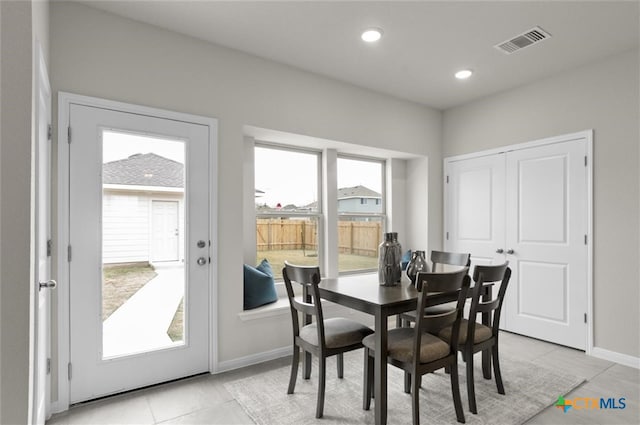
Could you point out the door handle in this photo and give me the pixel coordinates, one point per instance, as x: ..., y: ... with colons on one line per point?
x: 499, y: 250
x: 201, y: 261
x: 510, y: 251
x: 49, y: 284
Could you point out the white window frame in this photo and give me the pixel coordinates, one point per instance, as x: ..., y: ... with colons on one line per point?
x: 382, y: 216
x: 288, y: 214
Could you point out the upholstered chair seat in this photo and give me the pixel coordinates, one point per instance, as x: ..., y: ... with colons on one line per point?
x: 482, y: 333
x: 338, y: 332
x: 400, y: 346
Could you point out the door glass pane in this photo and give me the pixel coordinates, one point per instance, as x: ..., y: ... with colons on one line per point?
x: 143, y: 228
x: 360, y: 213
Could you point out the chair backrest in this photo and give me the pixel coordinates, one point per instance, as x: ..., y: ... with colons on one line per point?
x: 483, y: 275
x: 308, y: 277
x: 427, y: 284
x: 449, y: 258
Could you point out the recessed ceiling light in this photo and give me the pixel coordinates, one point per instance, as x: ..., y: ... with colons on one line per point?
x: 464, y: 74
x: 372, y: 34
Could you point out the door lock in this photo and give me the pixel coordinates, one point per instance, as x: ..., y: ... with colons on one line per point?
x: 201, y: 243
x: 201, y: 261
x: 50, y: 284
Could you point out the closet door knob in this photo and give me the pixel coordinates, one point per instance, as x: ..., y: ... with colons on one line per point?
x: 510, y: 251
x: 499, y: 250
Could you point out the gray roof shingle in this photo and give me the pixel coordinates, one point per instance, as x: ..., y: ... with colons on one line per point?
x: 146, y: 169
x: 357, y: 192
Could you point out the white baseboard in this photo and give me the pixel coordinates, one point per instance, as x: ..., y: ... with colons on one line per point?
x: 253, y: 359
x: 613, y: 356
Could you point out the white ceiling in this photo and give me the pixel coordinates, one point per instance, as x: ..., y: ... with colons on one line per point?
x: 424, y: 42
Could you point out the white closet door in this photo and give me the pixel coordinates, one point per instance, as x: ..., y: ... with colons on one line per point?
x: 545, y: 241
x: 475, y: 199
x: 529, y: 207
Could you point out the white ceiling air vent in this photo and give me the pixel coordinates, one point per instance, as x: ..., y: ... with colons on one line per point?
x: 526, y: 39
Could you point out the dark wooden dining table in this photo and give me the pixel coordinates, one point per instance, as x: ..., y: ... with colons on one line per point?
x: 363, y: 293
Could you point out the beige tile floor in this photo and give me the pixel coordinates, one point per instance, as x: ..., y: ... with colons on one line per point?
x: 204, y: 400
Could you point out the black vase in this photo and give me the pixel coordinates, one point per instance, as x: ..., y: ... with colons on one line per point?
x: 417, y: 264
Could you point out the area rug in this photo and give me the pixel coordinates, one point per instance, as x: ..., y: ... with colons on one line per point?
x: 529, y: 389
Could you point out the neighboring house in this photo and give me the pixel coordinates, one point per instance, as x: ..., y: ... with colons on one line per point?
x: 359, y: 199
x: 143, y: 209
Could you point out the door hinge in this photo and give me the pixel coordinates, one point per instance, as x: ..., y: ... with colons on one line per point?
x: 69, y: 370
x: 447, y: 235
x: 586, y: 239
x: 48, y: 366
x: 447, y: 179
x: 585, y: 160
x: 49, y: 247
x: 585, y: 318
x: 69, y: 134
x: 69, y: 253
x: 49, y: 132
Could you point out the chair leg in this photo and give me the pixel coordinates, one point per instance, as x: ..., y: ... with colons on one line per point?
x: 496, y: 369
x: 340, y: 366
x: 294, y: 369
x: 307, y: 365
x: 415, y: 398
x: 367, y: 386
x: 322, y: 373
x: 471, y: 388
x: 455, y: 390
x: 407, y: 382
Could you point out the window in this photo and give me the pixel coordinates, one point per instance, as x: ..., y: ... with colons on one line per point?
x: 287, y: 188
x: 361, y: 214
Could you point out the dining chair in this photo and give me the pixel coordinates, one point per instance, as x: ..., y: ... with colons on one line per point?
x: 322, y: 337
x: 449, y: 258
x: 433, y: 352
x: 473, y: 336
x: 438, y: 260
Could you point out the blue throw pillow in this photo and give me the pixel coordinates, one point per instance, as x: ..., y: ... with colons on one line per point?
x: 265, y: 267
x: 406, y: 257
x: 259, y: 286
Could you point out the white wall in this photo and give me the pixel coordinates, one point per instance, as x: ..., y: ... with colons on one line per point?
x: 98, y: 54
x: 603, y: 96
x: 15, y: 227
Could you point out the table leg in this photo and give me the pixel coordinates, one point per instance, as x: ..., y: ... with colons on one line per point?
x: 486, y: 320
x: 380, y: 367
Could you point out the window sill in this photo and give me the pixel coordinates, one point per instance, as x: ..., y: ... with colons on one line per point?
x: 279, y: 308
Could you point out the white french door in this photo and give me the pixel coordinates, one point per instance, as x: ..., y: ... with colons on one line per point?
x: 133, y: 322
x: 528, y: 207
x: 43, y: 283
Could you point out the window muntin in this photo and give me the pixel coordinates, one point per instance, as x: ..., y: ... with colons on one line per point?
x: 361, y: 213
x: 287, y: 188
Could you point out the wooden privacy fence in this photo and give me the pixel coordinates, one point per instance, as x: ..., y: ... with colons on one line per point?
x: 354, y: 237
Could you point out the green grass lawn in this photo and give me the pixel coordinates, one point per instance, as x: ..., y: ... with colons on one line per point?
x: 346, y: 262
x: 176, y: 328
x: 120, y: 282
